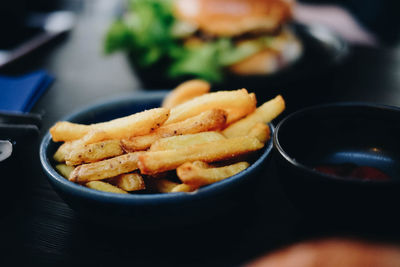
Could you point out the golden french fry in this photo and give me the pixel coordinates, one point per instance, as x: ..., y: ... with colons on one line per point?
x: 128, y: 181
x: 164, y: 185
x: 64, y: 170
x: 93, y: 136
x: 167, y: 186
x: 186, y: 91
x: 63, y: 151
x: 106, y: 187
x: 180, y: 141
x: 206, y: 121
x: 253, y: 97
x: 68, y: 131
x: 236, y: 113
x: 105, y: 169
x: 94, y: 152
x: 264, y: 114
x: 260, y: 131
x: 183, y: 188
x: 137, y: 124
x: 159, y: 161
x: 197, y: 174
x: 227, y: 100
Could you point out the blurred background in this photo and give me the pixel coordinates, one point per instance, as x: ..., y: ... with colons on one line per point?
x: 350, y: 52
x: 81, y: 30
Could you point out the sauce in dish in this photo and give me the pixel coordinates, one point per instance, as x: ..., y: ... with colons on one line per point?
x: 353, y: 171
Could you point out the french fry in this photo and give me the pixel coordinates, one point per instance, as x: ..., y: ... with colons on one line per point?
x: 93, y: 136
x: 105, y: 169
x: 206, y: 121
x: 63, y: 151
x: 227, y: 100
x: 68, y: 131
x: 264, y: 114
x: 164, y: 185
x: 128, y: 181
x: 64, y: 170
x: 198, y: 174
x: 66, y: 148
x: 186, y: 91
x: 253, y: 97
x: 94, y: 152
x: 137, y: 124
x: 183, y: 188
x: 180, y: 141
x: 106, y: 187
x: 159, y: 161
x: 260, y: 131
x: 167, y: 186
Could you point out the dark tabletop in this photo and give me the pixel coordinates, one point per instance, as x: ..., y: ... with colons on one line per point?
x: 36, y: 226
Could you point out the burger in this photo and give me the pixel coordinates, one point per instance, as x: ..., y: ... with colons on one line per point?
x: 207, y: 38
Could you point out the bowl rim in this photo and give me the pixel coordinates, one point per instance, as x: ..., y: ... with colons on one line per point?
x: 314, y: 174
x: 137, y: 199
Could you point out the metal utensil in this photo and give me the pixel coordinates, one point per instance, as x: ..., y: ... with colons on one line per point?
x: 6, y: 149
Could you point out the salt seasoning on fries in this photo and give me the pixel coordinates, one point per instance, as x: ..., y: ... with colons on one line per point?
x: 94, y: 152
x: 181, y: 141
x: 237, y: 103
x: 209, y: 120
x: 106, y: 168
x: 160, y: 161
x: 192, y: 130
x: 199, y: 173
x: 137, y: 124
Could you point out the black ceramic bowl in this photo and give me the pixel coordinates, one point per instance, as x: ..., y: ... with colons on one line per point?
x: 337, y: 135
x: 149, y: 209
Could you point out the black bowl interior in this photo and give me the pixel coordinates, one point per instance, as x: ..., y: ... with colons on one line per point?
x: 364, y: 135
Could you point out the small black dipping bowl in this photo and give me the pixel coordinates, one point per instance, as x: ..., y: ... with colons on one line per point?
x: 340, y: 135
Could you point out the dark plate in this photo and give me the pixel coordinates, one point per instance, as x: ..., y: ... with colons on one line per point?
x: 323, y: 50
x: 149, y: 209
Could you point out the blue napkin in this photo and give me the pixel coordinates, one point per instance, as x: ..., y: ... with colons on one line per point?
x: 21, y: 93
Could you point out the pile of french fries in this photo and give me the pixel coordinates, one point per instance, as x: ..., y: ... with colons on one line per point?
x: 196, y: 138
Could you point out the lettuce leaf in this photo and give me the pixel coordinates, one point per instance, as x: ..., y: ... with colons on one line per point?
x: 200, y: 61
x: 146, y: 33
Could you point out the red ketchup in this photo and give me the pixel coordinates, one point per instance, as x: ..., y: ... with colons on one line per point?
x: 353, y: 171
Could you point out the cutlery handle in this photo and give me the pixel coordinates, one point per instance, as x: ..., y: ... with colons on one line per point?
x: 20, y: 118
x: 6, y: 149
x: 19, y: 133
